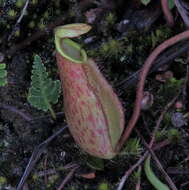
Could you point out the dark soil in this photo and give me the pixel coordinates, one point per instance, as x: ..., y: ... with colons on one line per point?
x: 123, y: 35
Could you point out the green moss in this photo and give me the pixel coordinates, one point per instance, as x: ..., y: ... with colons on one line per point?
x: 159, y: 36
x: 46, y: 15
x: 31, y: 24
x: 171, y: 87
x: 51, y: 180
x: 132, y: 147
x: 41, y: 26
x: 20, y: 3
x: 34, y: 2
x: 3, y: 181
x: 95, y: 163
x: 173, y: 135
x: 110, y: 19
x: 35, y: 178
x: 12, y: 13
x: 17, y: 33
x: 111, y: 49
x: 71, y: 188
x: 160, y: 135
x: 103, y: 186
x: 135, y: 178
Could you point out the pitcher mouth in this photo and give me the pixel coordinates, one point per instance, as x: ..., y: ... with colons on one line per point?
x: 67, y: 47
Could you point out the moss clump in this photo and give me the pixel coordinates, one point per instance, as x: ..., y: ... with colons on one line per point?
x: 173, y: 135
x: 34, y: 2
x: 103, y: 186
x: 20, y: 3
x: 111, y: 49
x: 110, y: 19
x: 159, y: 36
x: 132, y: 147
x: 3, y: 181
x: 171, y: 87
x: 12, y: 13
x: 31, y: 24
x: 52, y: 180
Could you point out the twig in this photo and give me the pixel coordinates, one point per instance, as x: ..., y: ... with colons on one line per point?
x: 161, y: 144
x: 168, y: 179
x: 23, y: 12
x: 163, y: 59
x: 35, y: 157
x: 184, y: 184
x: 67, y: 178
x: 131, y: 169
x: 35, y: 36
x: 45, y: 169
x: 140, y: 88
x: 139, y: 179
x: 167, y: 13
x: 158, y: 146
x: 58, y: 115
x: 15, y: 110
x: 184, y: 92
x: 183, y: 10
x: 180, y: 171
x: 26, y: 116
x: 25, y: 187
x: 139, y: 162
x: 161, y: 118
x: 47, y: 172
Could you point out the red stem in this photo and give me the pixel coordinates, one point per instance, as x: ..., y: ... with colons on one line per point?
x: 167, y: 13
x: 139, y: 93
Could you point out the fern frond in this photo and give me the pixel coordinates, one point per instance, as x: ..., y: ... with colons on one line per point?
x: 43, y: 91
x: 3, y: 74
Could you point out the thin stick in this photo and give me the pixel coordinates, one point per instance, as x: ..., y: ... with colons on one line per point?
x: 163, y: 59
x: 131, y: 169
x: 139, y: 162
x: 139, y: 179
x: 19, y: 19
x: 158, y: 123
x: 158, y: 146
x: 35, y: 36
x: 15, y: 110
x: 167, y: 13
x: 67, y: 178
x: 45, y: 170
x: 140, y: 88
x: 35, y: 157
x: 183, y: 10
x: 184, y: 91
x: 168, y: 179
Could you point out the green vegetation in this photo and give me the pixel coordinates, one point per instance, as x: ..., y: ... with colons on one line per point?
x: 103, y: 186
x: 132, y: 147
x: 3, y: 74
x: 43, y: 91
x: 153, y: 179
x: 111, y: 49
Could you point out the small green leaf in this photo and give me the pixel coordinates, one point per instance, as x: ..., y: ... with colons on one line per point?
x: 95, y: 163
x: 103, y: 186
x: 2, y: 66
x: 171, y: 4
x: 145, y: 2
x: 3, y: 74
x: 43, y: 91
x: 152, y: 178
